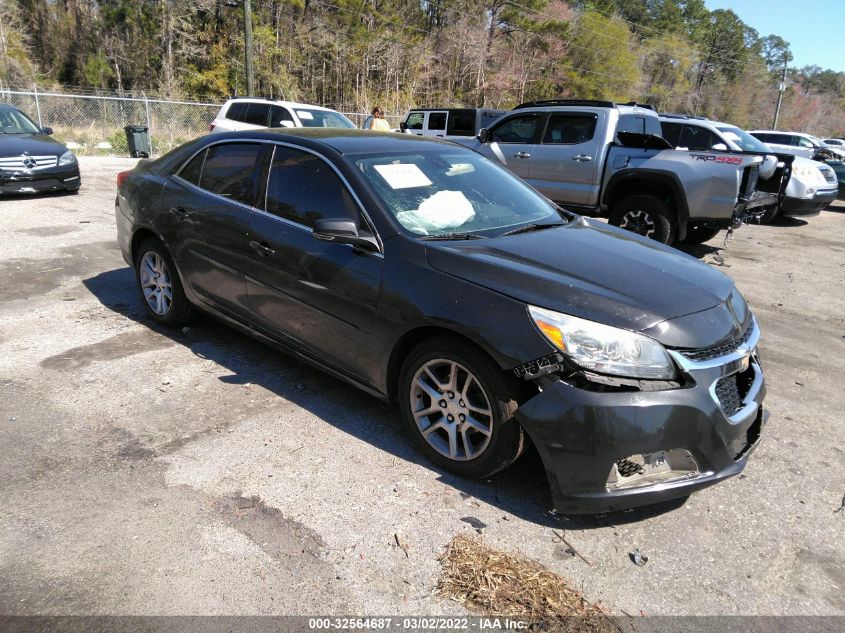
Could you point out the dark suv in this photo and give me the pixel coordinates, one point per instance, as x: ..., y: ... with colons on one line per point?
x: 424, y: 273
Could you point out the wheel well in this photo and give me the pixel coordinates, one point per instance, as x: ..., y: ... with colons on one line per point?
x: 644, y: 187
x: 139, y: 236
x: 409, y: 341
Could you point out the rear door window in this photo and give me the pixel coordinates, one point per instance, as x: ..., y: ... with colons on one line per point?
x: 570, y: 129
x: 517, y: 129
x: 303, y: 188
x: 437, y: 121
x: 191, y: 172
x: 231, y: 170
x: 236, y: 111
x: 257, y: 114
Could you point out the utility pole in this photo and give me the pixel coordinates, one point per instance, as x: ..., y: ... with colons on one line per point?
x: 781, y: 88
x: 250, y: 75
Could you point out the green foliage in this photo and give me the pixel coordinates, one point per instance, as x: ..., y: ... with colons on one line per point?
x: 118, y: 142
x: 354, y: 54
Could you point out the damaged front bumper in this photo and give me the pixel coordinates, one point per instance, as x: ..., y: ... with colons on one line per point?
x: 609, y: 448
x: 60, y: 178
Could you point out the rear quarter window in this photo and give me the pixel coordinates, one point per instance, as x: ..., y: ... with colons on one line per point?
x: 192, y: 171
x: 236, y: 111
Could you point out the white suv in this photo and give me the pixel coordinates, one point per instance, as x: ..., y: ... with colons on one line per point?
x: 253, y: 113
x: 798, y: 144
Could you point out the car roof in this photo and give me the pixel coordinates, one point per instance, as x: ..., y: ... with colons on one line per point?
x: 288, y: 104
x: 779, y: 132
x: 345, y: 140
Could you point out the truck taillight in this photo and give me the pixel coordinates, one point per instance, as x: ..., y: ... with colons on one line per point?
x: 121, y: 176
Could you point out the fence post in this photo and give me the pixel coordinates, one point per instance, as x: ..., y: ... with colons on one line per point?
x: 37, y: 105
x: 149, y: 128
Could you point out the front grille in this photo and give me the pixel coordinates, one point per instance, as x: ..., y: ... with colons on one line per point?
x: 709, y: 353
x: 13, y: 163
x: 732, y: 390
x: 727, y: 392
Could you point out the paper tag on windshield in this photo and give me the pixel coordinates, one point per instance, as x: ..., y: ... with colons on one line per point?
x: 304, y: 115
x: 403, y: 176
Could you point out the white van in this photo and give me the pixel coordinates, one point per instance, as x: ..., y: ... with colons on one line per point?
x: 448, y: 122
x: 253, y: 113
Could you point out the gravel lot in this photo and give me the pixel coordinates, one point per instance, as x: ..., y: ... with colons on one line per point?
x: 146, y: 471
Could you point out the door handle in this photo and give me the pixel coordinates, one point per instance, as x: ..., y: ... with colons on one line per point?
x: 261, y: 248
x: 581, y: 158
x: 522, y: 155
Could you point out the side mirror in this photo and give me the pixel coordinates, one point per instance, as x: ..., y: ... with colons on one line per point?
x: 46, y: 130
x: 403, y: 126
x: 344, y: 231
x: 720, y: 147
x: 483, y: 136
x: 286, y: 124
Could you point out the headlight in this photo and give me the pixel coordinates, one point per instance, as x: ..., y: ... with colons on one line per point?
x: 67, y: 158
x: 602, y: 348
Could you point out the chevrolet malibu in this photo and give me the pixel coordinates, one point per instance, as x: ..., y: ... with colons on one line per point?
x: 425, y: 274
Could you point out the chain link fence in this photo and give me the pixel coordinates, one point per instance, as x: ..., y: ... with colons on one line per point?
x: 92, y: 125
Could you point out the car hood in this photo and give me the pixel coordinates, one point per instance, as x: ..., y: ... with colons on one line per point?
x: 597, y: 272
x: 32, y: 144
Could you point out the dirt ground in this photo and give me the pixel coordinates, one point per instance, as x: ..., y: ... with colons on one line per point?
x: 147, y: 471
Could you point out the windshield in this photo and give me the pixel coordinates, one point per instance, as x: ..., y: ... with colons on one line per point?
x: 322, y: 118
x: 444, y: 192
x: 745, y: 141
x: 15, y: 122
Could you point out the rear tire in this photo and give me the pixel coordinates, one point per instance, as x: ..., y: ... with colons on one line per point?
x: 645, y: 215
x: 445, y: 378
x: 159, y: 285
x: 700, y: 233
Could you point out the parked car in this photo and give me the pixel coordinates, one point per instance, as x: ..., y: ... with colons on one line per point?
x: 31, y: 161
x: 795, y: 143
x: 602, y: 157
x: 448, y: 122
x: 838, y: 168
x: 250, y: 113
x: 811, y: 186
x: 424, y: 273
x: 837, y: 143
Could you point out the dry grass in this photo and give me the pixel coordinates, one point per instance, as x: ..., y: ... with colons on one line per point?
x: 490, y: 582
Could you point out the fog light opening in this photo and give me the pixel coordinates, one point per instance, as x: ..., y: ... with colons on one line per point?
x: 649, y: 469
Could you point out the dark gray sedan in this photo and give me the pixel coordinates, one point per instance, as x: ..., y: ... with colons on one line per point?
x: 426, y: 274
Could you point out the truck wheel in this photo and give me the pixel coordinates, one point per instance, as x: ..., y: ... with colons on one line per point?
x: 646, y: 215
x: 700, y: 233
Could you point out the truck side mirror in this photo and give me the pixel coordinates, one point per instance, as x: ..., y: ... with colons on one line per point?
x: 403, y: 126
x: 483, y: 135
x: 720, y: 147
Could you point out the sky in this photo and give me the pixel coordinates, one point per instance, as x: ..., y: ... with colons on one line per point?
x: 815, y: 29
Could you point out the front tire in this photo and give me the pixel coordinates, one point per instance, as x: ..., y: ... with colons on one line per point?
x: 159, y: 285
x: 457, y: 404
x: 645, y: 215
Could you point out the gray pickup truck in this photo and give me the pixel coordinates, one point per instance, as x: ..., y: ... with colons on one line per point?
x: 607, y: 158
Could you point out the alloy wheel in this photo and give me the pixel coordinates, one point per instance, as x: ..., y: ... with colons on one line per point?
x: 638, y: 222
x: 451, y: 409
x: 156, y: 283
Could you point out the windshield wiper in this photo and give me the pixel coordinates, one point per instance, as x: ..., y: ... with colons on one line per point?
x: 452, y: 236
x: 528, y: 228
